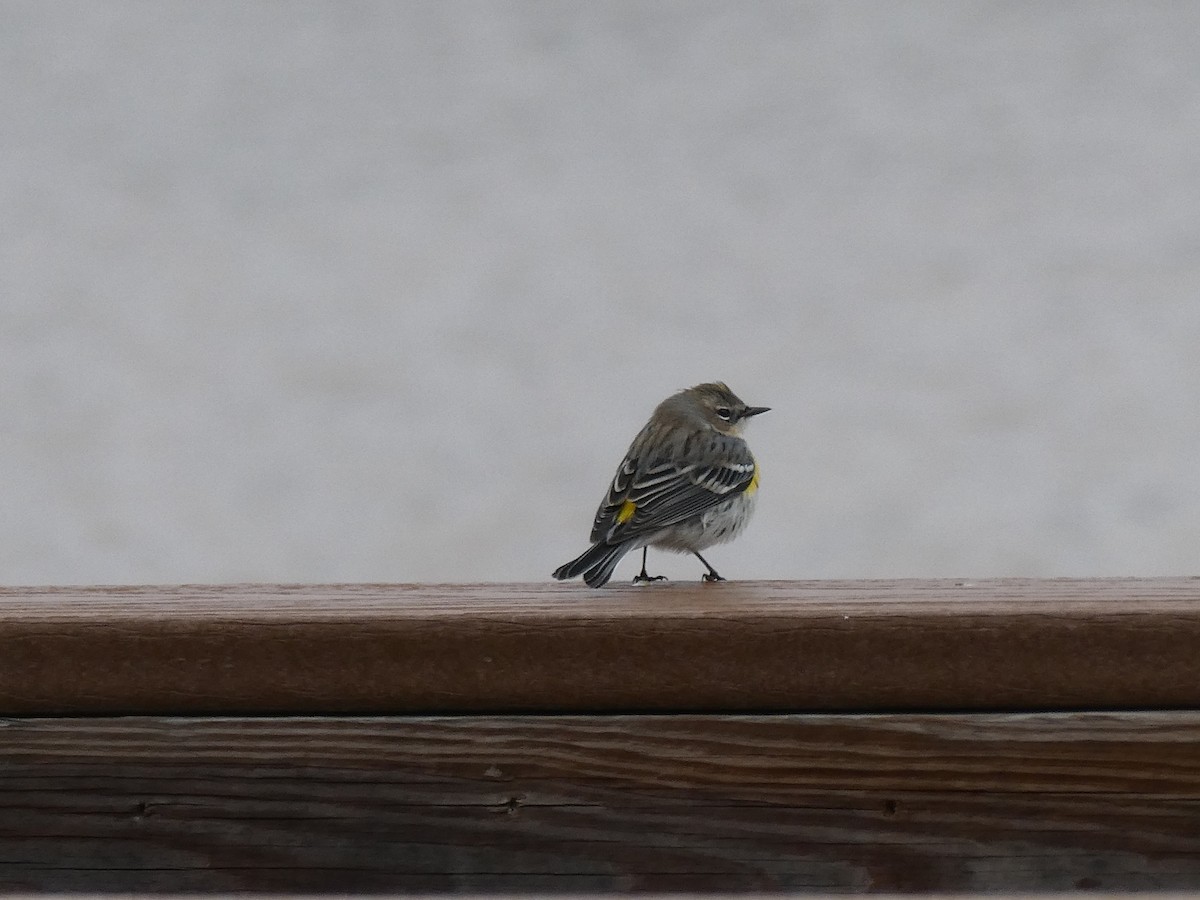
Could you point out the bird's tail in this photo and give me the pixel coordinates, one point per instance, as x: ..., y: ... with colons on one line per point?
x: 595, y: 564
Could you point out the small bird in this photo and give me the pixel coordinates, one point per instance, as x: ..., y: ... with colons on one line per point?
x: 688, y: 481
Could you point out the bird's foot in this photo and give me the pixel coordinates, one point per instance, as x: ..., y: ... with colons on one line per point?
x: 711, y: 577
x: 643, y: 578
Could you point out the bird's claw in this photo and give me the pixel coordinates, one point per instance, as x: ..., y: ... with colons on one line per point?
x: 646, y: 579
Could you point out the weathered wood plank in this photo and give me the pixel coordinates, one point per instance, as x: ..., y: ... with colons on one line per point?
x: 968, y: 802
x: 737, y: 646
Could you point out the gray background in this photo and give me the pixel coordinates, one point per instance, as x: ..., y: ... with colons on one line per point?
x: 381, y: 291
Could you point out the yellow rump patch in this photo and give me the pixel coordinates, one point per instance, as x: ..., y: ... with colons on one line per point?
x: 625, y: 513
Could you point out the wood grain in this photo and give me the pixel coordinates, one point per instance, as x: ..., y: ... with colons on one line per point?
x: 967, y: 802
x: 736, y: 646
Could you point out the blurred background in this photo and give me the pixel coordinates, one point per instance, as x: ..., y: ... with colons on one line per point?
x: 381, y: 291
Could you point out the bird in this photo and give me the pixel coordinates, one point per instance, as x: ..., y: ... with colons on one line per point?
x: 688, y: 481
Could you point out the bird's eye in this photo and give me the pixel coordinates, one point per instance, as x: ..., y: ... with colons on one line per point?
x: 724, y: 413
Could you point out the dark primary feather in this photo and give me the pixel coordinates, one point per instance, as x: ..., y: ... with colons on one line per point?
x: 666, y: 493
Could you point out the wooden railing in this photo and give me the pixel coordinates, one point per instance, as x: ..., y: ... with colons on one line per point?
x: 1010, y: 735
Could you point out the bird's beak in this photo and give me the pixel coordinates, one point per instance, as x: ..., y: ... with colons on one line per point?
x: 755, y: 411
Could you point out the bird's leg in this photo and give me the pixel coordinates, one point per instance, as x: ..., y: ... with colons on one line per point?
x: 711, y: 575
x: 642, y: 576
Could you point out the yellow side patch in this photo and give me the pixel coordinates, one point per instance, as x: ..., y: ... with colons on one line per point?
x: 753, y: 485
x: 625, y: 513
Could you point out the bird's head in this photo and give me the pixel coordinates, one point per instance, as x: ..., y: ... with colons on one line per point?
x: 720, y: 407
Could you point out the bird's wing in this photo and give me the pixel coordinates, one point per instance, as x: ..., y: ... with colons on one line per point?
x: 645, y: 498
